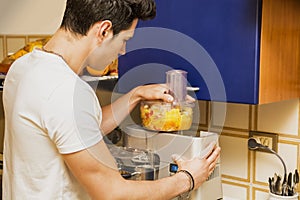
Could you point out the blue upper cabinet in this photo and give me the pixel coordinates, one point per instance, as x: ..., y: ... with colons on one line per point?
x: 216, y: 42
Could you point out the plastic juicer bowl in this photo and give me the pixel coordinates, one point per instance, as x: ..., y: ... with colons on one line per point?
x: 162, y: 116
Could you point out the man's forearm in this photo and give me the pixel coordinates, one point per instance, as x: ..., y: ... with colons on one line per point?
x: 115, y: 113
x: 95, y: 169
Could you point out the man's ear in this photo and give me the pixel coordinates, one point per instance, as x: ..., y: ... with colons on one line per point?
x: 103, y: 29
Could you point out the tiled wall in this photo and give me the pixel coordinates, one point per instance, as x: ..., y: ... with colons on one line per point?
x: 245, y: 173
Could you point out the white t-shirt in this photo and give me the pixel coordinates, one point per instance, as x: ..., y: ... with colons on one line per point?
x: 49, y: 111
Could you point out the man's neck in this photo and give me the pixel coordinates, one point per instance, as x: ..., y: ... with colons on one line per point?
x: 73, y: 49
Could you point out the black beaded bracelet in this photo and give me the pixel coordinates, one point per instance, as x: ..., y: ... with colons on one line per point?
x: 189, y: 175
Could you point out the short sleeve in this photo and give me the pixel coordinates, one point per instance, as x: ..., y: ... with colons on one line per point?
x: 73, y: 116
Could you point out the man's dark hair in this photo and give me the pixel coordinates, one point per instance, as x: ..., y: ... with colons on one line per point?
x: 81, y: 15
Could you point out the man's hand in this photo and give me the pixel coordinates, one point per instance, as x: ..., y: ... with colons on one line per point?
x: 152, y: 92
x: 200, y: 168
x: 156, y: 92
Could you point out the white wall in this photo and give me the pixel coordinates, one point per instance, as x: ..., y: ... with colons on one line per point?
x: 30, y: 16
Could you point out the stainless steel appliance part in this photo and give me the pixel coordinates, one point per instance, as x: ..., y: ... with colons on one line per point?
x: 136, y: 164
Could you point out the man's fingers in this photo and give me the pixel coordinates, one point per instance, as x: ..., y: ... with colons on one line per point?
x: 205, y: 153
x: 176, y: 158
x: 215, y: 155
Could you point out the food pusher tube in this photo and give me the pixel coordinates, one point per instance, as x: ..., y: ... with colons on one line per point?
x: 177, y: 82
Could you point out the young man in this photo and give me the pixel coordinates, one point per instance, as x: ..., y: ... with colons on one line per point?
x: 54, y: 127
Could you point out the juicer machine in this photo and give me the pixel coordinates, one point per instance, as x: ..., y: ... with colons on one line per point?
x: 155, y: 138
x: 186, y: 144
